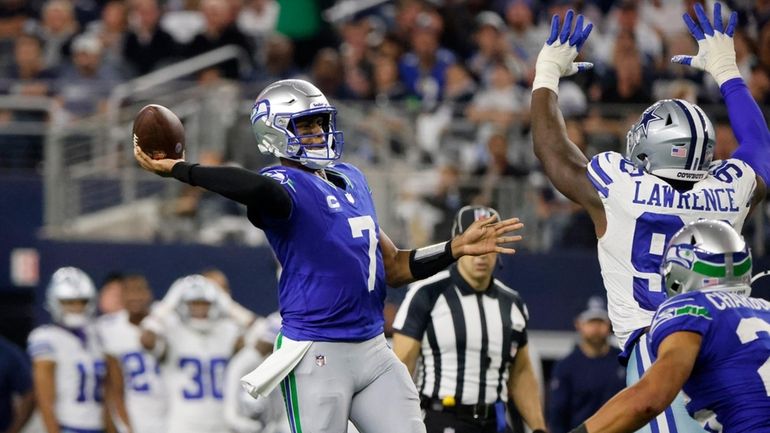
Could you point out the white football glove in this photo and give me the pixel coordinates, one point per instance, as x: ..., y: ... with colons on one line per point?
x: 557, y: 58
x: 716, y: 53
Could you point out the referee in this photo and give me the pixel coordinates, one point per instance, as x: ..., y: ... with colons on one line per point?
x: 471, y: 331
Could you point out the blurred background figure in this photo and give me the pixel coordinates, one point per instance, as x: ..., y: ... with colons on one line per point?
x: 17, y: 399
x: 111, y: 293
x: 244, y: 413
x: 143, y: 390
x: 147, y: 45
x: 190, y: 332
x: 69, y: 371
x: 589, y: 376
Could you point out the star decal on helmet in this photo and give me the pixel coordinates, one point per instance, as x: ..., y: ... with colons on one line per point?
x: 647, y: 117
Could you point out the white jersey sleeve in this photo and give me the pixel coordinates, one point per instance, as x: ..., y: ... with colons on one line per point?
x: 643, y: 211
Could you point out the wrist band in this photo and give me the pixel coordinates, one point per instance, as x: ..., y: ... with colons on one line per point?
x: 426, y: 261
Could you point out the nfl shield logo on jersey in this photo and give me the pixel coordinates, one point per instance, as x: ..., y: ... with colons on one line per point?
x: 320, y: 360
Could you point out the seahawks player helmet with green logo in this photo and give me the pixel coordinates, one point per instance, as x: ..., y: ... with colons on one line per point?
x: 707, y: 255
x: 673, y: 139
x: 274, y: 117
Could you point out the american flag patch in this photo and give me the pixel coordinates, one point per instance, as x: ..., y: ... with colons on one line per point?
x: 710, y: 281
x: 679, y: 151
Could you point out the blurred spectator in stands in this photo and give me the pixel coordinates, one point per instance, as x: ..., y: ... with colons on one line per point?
x: 25, y: 77
x: 663, y: 16
x: 358, y: 35
x: 220, y: 30
x: 84, y: 85
x: 28, y: 69
x: 423, y: 69
x: 13, y: 15
x: 111, y: 293
x: 625, y: 18
x: 445, y: 199
x: 491, y: 47
x: 111, y: 30
x: 626, y: 82
x: 589, y: 376
x: 386, y: 85
x: 278, y: 61
x: 524, y: 38
x: 444, y: 131
x: 390, y: 46
x: 763, y: 45
x: 17, y: 400
x: 725, y: 141
x: 258, y: 18
x: 56, y: 29
x: 498, y: 165
x: 759, y: 84
x: 147, y: 46
x: 327, y: 73
x: 302, y: 22
x: 502, y: 105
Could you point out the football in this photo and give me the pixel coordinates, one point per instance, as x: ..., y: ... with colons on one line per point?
x: 158, y: 132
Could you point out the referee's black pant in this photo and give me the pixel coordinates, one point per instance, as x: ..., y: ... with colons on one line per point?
x: 439, y: 421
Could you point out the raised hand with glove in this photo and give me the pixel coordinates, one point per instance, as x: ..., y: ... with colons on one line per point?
x: 716, y: 53
x: 557, y: 58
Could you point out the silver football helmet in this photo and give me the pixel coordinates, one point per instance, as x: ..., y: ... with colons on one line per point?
x: 274, y: 117
x: 198, y: 288
x: 673, y: 139
x: 707, y: 255
x: 69, y: 284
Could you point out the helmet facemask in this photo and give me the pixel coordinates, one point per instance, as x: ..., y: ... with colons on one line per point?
x: 274, y: 119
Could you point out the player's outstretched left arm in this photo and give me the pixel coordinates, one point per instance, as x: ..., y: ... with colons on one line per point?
x: 716, y: 55
x: 634, y: 407
x: 563, y: 162
x: 482, y: 237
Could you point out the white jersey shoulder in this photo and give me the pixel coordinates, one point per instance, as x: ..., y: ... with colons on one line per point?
x: 79, y: 374
x: 145, y: 392
x: 194, y: 369
x: 643, y: 211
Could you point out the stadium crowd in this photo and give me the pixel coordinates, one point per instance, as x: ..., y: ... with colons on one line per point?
x: 443, y: 84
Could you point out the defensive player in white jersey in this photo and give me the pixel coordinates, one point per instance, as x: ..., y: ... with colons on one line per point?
x: 141, y: 386
x: 199, y: 342
x: 244, y: 413
x: 69, y: 372
x: 666, y: 179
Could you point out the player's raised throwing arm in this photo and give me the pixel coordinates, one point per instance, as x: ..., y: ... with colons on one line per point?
x: 563, y: 162
x: 484, y: 236
x: 259, y: 193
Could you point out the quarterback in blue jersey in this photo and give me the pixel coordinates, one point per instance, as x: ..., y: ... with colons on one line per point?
x: 709, y: 339
x: 331, y: 358
x: 665, y: 179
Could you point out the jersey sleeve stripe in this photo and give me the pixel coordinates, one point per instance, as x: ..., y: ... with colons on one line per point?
x: 603, y: 190
x: 599, y: 171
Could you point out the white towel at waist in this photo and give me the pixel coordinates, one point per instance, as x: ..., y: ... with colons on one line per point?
x: 275, y: 368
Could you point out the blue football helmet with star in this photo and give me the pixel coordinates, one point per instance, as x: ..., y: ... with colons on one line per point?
x: 673, y: 139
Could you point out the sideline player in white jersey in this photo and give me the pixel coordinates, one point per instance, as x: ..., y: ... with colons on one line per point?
x: 199, y: 341
x: 141, y: 386
x: 666, y: 179
x: 244, y: 413
x: 69, y: 372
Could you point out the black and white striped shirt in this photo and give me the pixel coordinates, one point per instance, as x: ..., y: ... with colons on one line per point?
x: 473, y: 336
